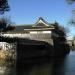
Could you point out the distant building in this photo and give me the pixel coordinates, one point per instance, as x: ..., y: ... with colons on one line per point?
x: 71, y: 42
x: 41, y: 31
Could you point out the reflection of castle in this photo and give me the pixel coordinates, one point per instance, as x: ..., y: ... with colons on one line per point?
x: 41, y: 31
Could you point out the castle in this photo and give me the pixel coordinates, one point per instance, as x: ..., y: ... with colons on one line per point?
x: 41, y: 31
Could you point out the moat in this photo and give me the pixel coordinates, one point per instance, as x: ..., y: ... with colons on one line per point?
x: 56, y: 66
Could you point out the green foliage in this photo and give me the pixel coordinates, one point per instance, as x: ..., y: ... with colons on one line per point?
x: 72, y: 21
x: 4, y: 6
x: 70, y: 1
x: 60, y: 43
x: 59, y: 29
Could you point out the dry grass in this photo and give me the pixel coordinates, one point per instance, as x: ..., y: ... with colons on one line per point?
x: 6, y: 55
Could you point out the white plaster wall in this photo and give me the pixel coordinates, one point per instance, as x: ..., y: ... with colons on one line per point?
x: 46, y: 32
x: 36, y: 32
x: 33, y: 32
x: 7, y: 46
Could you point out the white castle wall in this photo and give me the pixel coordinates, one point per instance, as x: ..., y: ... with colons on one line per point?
x: 34, y: 35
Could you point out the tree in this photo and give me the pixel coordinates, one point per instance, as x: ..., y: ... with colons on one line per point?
x: 6, y: 25
x: 60, y: 29
x: 4, y: 6
x: 70, y: 1
x: 59, y: 40
x: 72, y: 21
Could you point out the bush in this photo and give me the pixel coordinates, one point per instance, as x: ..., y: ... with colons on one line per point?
x: 7, y: 55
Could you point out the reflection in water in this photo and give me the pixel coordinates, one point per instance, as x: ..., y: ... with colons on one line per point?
x: 70, y: 64
x: 55, y: 66
x: 2, y: 70
x: 7, y: 68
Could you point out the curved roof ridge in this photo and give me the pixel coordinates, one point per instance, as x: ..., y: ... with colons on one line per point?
x: 41, y: 20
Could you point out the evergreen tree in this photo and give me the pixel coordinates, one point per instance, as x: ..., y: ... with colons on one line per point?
x: 72, y: 21
x: 4, y: 6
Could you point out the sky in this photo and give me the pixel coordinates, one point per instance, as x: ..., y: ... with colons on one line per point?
x: 28, y: 12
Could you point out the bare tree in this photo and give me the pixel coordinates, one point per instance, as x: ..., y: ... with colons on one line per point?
x: 6, y: 25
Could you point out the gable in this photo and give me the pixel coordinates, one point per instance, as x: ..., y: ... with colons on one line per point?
x: 41, y: 23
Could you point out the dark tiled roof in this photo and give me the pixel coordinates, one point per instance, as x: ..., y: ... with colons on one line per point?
x: 37, y: 25
x: 22, y: 27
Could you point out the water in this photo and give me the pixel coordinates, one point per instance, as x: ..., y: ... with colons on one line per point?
x: 57, y: 66
x: 7, y: 68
